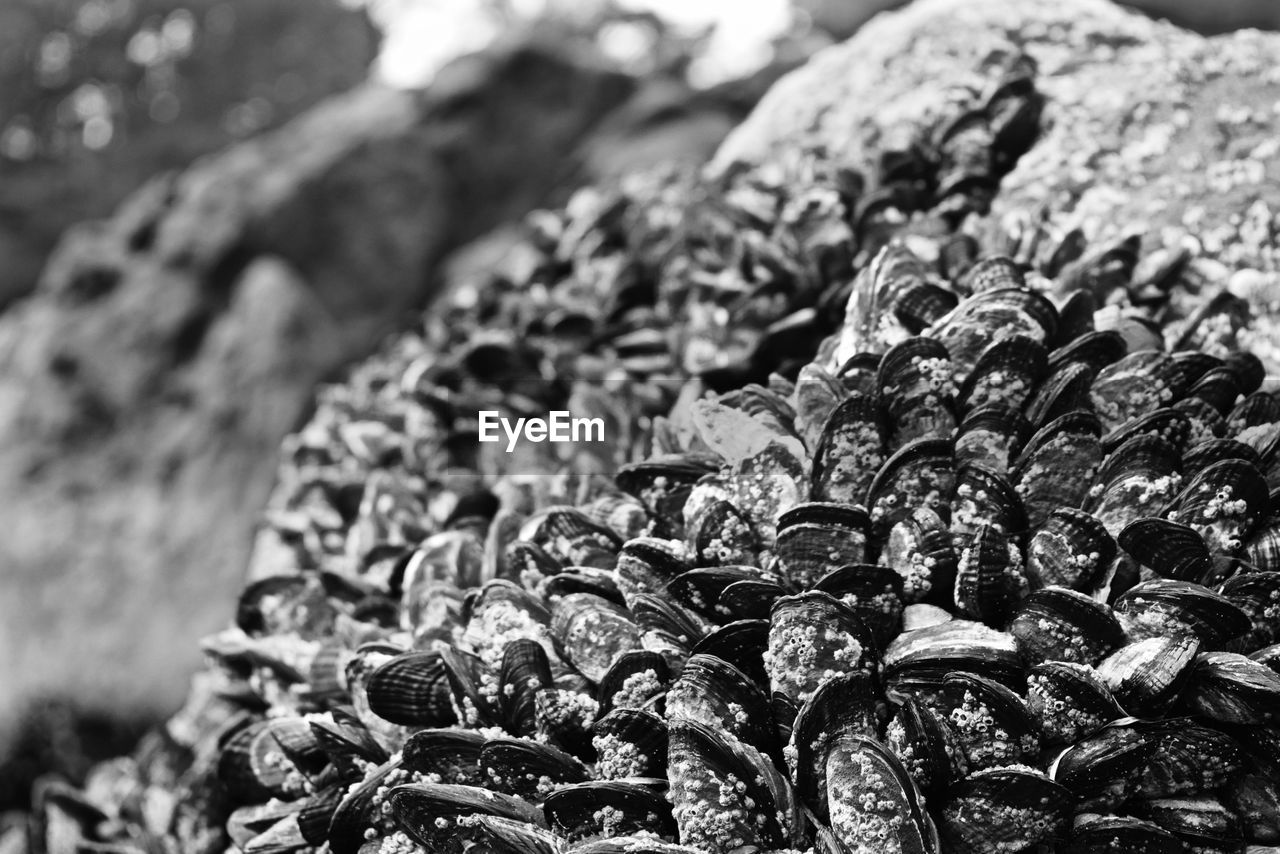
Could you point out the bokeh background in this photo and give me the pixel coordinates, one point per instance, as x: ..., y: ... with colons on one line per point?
x: 218, y: 151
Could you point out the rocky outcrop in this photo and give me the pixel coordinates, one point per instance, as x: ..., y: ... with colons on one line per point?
x: 1148, y: 129
x: 145, y: 388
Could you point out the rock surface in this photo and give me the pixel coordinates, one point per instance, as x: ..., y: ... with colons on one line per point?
x: 1149, y: 129
x: 145, y: 388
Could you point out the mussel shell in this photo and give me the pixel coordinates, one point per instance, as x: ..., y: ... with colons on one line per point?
x: 592, y: 633
x: 1233, y: 689
x: 525, y: 670
x: 920, y: 549
x: 1139, y: 383
x: 989, y: 577
x: 453, y: 754
x: 927, y: 746
x: 1066, y: 390
x: 1004, y: 810
x: 429, y: 813
x: 991, y: 437
x: 1071, y: 549
x: 1258, y: 595
x: 649, y: 564
x: 741, y: 643
x: 1189, y: 759
x: 633, y: 680
x: 722, y: 535
x: 1204, y: 824
x: 842, y: 705
x: 1094, y: 349
x: 915, y: 664
x: 895, y: 816
x: 630, y: 743
x: 994, y: 314
x: 917, y: 391
x: 993, y: 725
x: 985, y: 498
x: 1069, y: 700
x: 1179, y: 608
x: 411, y: 689
x: 1054, y: 624
x: 873, y: 591
x: 1106, y: 765
x: 1055, y: 468
x: 849, y: 452
x: 1005, y: 374
x: 528, y: 768
x: 1168, y: 424
x: 1112, y: 834
x: 812, y: 637
x: 1223, y: 501
x: 1147, y: 676
x: 830, y: 535
x: 609, y: 808
x: 920, y: 474
x: 725, y: 794
x: 713, y: 692
x: 1170, y: 549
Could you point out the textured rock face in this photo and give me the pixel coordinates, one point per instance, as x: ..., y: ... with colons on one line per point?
x: 144, y: 389
x: 1148, y: 129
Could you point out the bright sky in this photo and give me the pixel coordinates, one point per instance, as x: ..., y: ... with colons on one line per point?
x: 422, y: 35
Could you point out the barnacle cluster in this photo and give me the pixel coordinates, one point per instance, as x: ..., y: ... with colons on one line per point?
x: 899, y: 545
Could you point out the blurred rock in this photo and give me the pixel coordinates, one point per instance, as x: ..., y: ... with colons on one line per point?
x: 146, y: 385
x: 98, y: 95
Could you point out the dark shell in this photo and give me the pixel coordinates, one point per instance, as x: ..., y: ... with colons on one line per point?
x: 1006, y: 374
x: 1112, y: 834
x: 1224, y: 502
x: 927, y: 746
x: 525, y: 670
x: 895, y: 817
x: 527, y: 768
x: 1065, y: 390
x: 1055, y: 624
x: 701, y: 590
x: 922, y: 304
x: 873, y: 592
x: 1161, y: 607
x: 635, y: 678
x: 1233, y: 689
x: 992, y: 315
x: 812, y: 637
x: 984, y: 498
x: 850, y: 451
x: 430, y: 813
x: 1217, y: 387
x: 663, y: 484
x: 991, y: 437
x: 916, y: 662
x: 993, y: 725
x: 1056, y: 467
x: 1071, y: 549
x: 411, y: 689
x: 1139, y: 383
x: 1106, y: 765
x: 715, y: 693
x: 815, y: 538
x: 1190, y: 758
x: 1257, y: 408
x: 1138, y: 479
x: 715, y: 813
x: 609, y: 808
x: 1168, y: 424
x: 1004, y: 811
x: 721, y: 535
x: 917, y: 391
x: 1094, y: 349
x: 920, y: 550
x: 453, y: 753
x: 650, y: 563
x: 989, y: 577
x: 593, y: 633
x: 1203, y: 454
x: 843, y: 705
x: 1147, y: 676
x: 357, y: 812
x: 630, y: 743
x: 1258, y: 595
x: 1203, y: 824
x: 921, y: 474
x: 1069, y: 701
x: 741, y: 643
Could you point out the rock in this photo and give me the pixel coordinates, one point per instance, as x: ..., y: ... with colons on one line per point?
x: 146, y: 385
x: 1149, y: 129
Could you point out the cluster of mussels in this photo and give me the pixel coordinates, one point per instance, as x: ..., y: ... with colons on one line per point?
x: 933, y: 534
